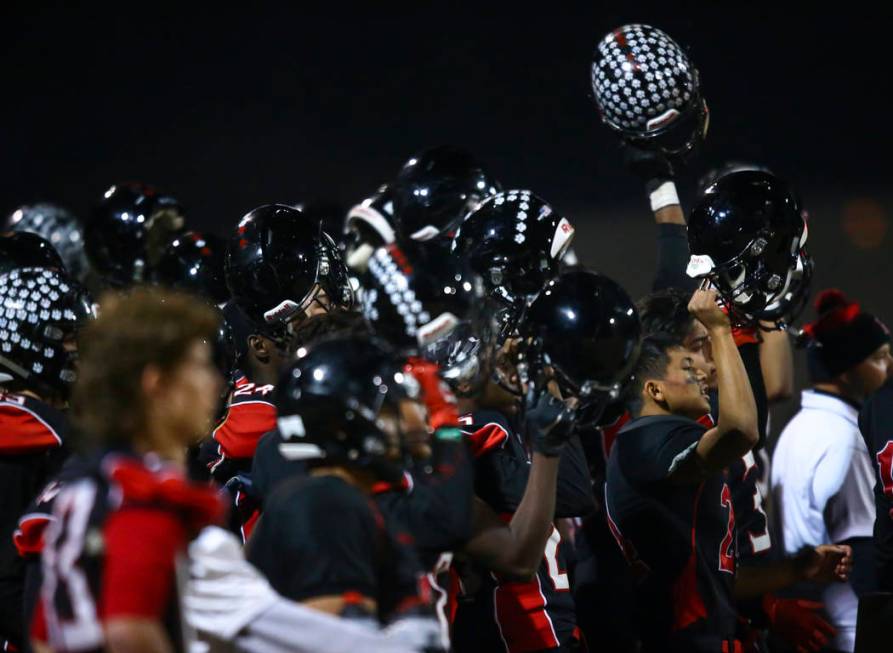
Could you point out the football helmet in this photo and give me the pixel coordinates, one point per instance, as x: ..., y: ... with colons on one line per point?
x: 40, y: 309
x: 277, y: 264
x: 747, y: 235
x: 194, y: 261
x: 648, y: 90
x: 515, y: 241
x: 583, y: 328
x: 427, y: 303
x: 435, y: 189
x: 28, y: 250
x: 58, y: 226
x: 127, y: 232
x: 330, y: 399
x: 369, y: 225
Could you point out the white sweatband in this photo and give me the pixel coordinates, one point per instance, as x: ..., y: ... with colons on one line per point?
x: 664, y: 196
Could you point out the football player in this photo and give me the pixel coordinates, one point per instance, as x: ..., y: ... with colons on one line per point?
x: 281, y: 269
x: 41, y: 310
x: 147, y: 388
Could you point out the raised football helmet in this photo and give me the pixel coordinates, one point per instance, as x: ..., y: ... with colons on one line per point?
x: 128, y: 231
x: 648, y: 90
x: 515, y: 241
x: 583, y: 330
x: 427, y: 303
x: 747, y: 235
x: 369, y: 225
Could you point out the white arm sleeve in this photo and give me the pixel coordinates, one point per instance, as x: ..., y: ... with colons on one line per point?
x: 829, y: 475
x: 227, y: 600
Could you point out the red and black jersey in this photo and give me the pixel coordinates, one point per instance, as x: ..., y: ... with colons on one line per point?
x: 494, y: 614
x: 249, y: 415
x: 32, y: 449
x: 678, y: 538
x: 117, y: 529
x: 876, y: 424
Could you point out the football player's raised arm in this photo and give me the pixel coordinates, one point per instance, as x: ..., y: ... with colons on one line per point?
x: 736, y: 431
x: 516, y: 549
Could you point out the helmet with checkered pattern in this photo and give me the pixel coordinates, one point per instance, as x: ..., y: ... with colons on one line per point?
x: 40, y: 313
x: 61, y: 228
x: 648, y: 90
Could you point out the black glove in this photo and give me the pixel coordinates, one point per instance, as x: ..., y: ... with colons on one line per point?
x: 549, y: 422
x: 652, y: 167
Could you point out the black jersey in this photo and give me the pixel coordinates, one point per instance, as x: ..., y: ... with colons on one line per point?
x: 118, y: 525
x: 32, y: 437
x: 320, y: 536
x: 876, y: 424
x: 495, y: 614
x: 680, y: 538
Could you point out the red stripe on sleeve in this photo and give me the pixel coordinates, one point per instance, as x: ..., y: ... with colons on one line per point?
x: 141, y: 545
x: 28, y: 537
x: 522, y: 618
x: 243, y: 426
x: 487, y: 438
x: 21, y: 431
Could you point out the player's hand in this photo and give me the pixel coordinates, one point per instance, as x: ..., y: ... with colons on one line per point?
x: 549, y: 421
x: 827, y: 564
x: 704, y: 308
x: 647, y: 165
x: 798, y: 622
x: 436, y: 394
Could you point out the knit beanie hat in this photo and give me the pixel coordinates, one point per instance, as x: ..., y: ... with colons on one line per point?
x: 841, y: 337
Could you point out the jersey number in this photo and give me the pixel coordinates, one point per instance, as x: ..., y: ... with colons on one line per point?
x: 726, y: 554
x: 559, y: 578
x: 885, y: 468
x: 759, y: 542
x: 65, y: 542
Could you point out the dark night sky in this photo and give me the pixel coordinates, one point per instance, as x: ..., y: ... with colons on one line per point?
x: 231, y: 108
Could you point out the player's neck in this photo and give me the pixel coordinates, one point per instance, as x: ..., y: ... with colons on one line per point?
x: 349, y: 476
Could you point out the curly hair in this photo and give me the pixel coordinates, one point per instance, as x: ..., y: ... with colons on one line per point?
x: 144, y: 327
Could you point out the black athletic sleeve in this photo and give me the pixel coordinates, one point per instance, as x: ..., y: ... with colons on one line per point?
x: 876, y: 425
x: 672, y: 259
x: 574, y: 496
x: 437, y: 511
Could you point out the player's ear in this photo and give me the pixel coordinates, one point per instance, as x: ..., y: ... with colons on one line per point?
x: 259, y: 348
x: 654, y: 391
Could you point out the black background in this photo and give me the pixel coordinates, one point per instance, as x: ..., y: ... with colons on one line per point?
x: 229, y: 108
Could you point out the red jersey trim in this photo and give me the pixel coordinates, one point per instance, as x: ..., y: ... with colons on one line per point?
x: 243, y: 426
x: 522, y: 618
x: 28, y: 537
x: 24, y: 430
x: 487, y: 438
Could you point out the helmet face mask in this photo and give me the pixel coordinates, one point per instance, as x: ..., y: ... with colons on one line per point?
x: 276, y: 265
x: 747, y: 236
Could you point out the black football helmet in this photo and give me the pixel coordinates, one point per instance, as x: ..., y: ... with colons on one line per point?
x: 277, y: 262
x: 436, y: 189
x: 330, y: 399
x: 127, y: 232
x: 713, y: 175
x: 648, y: 90
x: 747, y: 235
x: 28, y: 250
x: 194, y: 262
x: 58, y: 226
x: 425, y: 302
x: 368, y: 226
x: 40, y: 309
x: 585, y: 328
x: 515, y: 241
